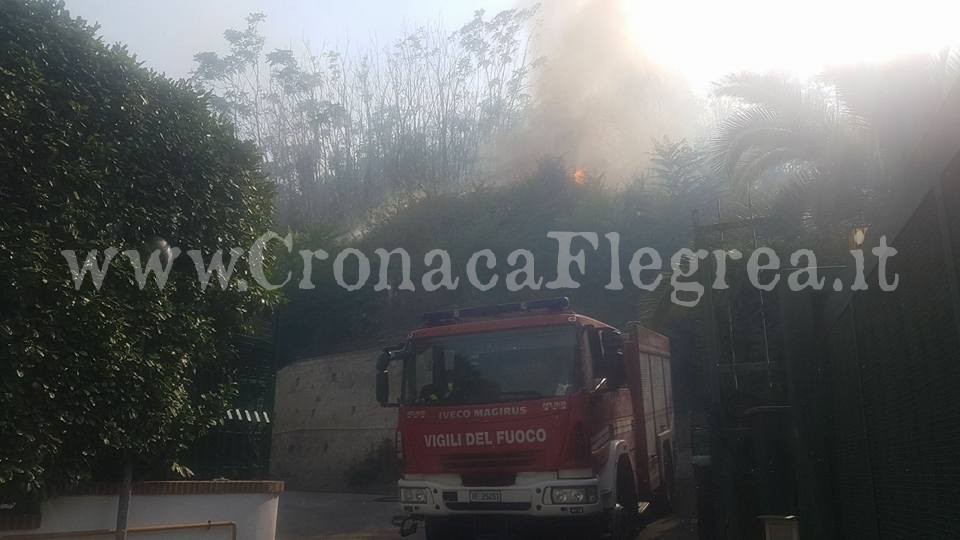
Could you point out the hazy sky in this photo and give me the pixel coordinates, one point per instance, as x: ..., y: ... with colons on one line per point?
x: 167, y: 33
x: 702, y: 39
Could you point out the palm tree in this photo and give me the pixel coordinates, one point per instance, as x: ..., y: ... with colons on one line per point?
x: 778, y: 122
x: 838, y: 138
x: 799, y: 152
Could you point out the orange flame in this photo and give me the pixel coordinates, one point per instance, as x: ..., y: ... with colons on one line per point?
x: 580, y: 176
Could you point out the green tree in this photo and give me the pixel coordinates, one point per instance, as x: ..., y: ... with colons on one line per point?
x: 343, y: 134
x: 98, y: 152
x: 662, y: 201
x: 821, y: 156
x: 779, y: 124
x: 795, y: 151
x: 502, y: 218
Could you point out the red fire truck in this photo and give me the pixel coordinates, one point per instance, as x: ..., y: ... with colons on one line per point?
x: 529, y: 414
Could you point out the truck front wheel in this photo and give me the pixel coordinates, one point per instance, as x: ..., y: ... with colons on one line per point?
x: 623, y: 518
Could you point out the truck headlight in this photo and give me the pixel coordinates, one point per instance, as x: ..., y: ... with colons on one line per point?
x: 415, y: 495
x: 573, y: 495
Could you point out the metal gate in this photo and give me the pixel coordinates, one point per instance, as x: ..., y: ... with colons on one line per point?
x: 895, y: 359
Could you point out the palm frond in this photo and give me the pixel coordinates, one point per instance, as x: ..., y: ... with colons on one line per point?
x: 722, y: 146
x: 779, y: 157
x: 755, y: 132
x: 952, y: 67
x: 770, y: 90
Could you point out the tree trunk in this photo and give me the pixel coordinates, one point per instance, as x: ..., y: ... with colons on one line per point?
x: 123, y: 506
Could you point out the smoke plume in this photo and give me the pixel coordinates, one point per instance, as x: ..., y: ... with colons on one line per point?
x: 599, y: 101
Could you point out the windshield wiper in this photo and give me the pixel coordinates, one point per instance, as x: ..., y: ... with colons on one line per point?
x: 523, y: 393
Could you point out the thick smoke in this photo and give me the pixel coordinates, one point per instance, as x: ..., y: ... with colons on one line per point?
x: 599, y: 101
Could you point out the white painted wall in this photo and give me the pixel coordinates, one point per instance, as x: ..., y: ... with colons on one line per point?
x: 255, y: 515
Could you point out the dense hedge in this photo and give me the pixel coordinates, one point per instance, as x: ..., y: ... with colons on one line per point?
x: 97, y: 151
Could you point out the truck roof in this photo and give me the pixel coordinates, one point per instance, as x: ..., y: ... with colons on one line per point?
x: 507, y: 322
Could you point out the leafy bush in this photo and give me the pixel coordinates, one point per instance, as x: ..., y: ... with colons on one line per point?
x: 96, y: 151
x: 653, y: 212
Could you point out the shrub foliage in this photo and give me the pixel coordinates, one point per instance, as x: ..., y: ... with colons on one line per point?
x: 97, y: 151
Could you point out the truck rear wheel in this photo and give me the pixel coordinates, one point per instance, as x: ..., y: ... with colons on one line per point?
x: 663, y: 498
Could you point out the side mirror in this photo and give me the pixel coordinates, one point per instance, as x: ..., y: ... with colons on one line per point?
x: 383, y: 377
x: 612, y: 366
x: 612, y: 342
x: 383, y: 361
x: 383, y: 388
x: 595, y: 344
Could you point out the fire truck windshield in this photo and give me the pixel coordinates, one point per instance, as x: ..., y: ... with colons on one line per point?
x: 490, y: 367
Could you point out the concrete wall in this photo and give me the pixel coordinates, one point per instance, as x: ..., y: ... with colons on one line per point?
x: 255, y: 515
x: 326, y: 418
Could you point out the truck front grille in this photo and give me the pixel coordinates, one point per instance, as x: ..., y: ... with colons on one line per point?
x: 487, y: 461
x: 505, y: 506
x: 488, y: 479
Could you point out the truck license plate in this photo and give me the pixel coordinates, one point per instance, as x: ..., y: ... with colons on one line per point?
x: 484, y: 496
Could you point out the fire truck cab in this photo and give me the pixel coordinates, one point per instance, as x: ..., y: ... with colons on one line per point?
x: 529, y: 414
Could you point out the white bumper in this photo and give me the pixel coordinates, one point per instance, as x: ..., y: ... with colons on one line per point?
x: 529, y: 496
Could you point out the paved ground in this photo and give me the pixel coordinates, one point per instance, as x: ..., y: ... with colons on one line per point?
x: 314, y: 516
x: 340, y: 516
x: 670, y: 528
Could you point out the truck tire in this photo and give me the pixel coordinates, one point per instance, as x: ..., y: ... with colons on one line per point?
x: 623, y: 519
x: 663, y: 498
